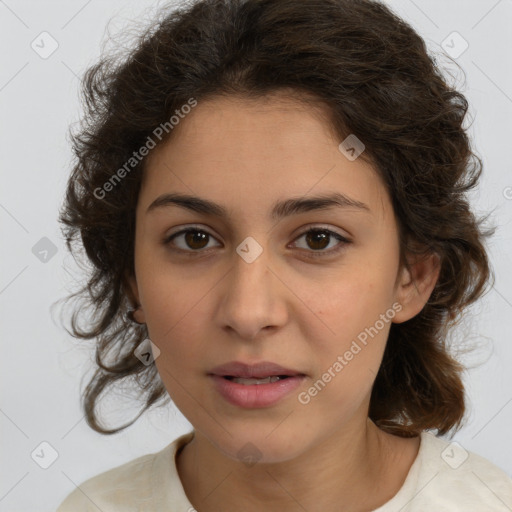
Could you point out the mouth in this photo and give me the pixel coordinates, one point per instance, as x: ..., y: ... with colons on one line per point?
x: 255, y: 386
x: 258, y: 373
x: 252, y: 382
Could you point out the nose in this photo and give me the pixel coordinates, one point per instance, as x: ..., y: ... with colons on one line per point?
x: 252, y: 298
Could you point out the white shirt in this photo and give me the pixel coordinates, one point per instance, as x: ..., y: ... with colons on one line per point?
x: 443, y: 478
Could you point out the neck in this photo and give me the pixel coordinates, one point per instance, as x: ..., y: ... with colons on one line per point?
x: 347, y: 471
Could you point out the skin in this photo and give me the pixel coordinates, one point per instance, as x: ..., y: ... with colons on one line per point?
x: 284, y: 307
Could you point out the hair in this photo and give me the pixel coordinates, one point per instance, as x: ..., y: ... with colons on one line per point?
x: 373, y: 73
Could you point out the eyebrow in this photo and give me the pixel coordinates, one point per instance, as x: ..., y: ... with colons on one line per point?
x: 280, y: 209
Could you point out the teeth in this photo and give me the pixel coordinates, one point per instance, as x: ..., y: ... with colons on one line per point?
x: 249, y: 382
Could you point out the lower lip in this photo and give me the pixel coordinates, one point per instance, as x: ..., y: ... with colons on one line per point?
x: 255, y: 395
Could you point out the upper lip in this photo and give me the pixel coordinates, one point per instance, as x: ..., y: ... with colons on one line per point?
x: 247, y: 371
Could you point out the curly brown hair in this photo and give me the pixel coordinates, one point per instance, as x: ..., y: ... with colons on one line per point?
x: 373, y: 72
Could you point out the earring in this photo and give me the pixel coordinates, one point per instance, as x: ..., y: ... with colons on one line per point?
x: 131, y: 317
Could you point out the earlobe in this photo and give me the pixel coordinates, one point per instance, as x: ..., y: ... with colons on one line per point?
x: 416, y: 285
x: 138, y: 315
x: 132, y: 291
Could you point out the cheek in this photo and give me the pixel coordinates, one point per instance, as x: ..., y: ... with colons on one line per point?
x: 170, y: 296
x: 346, y: 367
x: 358, y: 312
x: 173, y: 311
x: 349, y: 305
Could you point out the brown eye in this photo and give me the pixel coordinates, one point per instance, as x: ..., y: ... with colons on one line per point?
x: 194, y: 239
x: 317, y: 240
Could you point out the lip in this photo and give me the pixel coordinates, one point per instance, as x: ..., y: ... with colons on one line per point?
x: 255, y: 395
x: 257, y: 371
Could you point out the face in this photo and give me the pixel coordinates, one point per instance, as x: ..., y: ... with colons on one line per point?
x: 250, y: 287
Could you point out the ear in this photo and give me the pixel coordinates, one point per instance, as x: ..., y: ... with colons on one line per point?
x: 132, y: 291
x: 415, y: 285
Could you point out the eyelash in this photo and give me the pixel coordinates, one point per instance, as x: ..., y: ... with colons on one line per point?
x: 314, y: 254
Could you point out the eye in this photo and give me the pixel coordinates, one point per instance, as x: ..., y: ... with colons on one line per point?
x: 197, y: 239
x: 194, y: 238
x: 319, y: 238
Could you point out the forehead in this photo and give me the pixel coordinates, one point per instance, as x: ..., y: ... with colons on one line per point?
x: 271, y: 121
x: 256, y: 152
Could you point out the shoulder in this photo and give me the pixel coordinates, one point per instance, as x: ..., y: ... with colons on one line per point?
x: 117, y: 486
x: 124, y: 487
x: 449, y: 477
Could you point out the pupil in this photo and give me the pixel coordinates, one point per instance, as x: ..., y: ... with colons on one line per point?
x: 193, y: 236
x: 323, y: 238
x: 316, y: 239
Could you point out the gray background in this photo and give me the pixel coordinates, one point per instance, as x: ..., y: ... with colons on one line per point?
x: 42, y: 366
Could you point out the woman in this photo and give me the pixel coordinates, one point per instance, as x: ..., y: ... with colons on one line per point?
x: 273, y: 198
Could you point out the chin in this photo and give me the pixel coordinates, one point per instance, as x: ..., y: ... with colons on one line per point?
x: 261, y: 445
